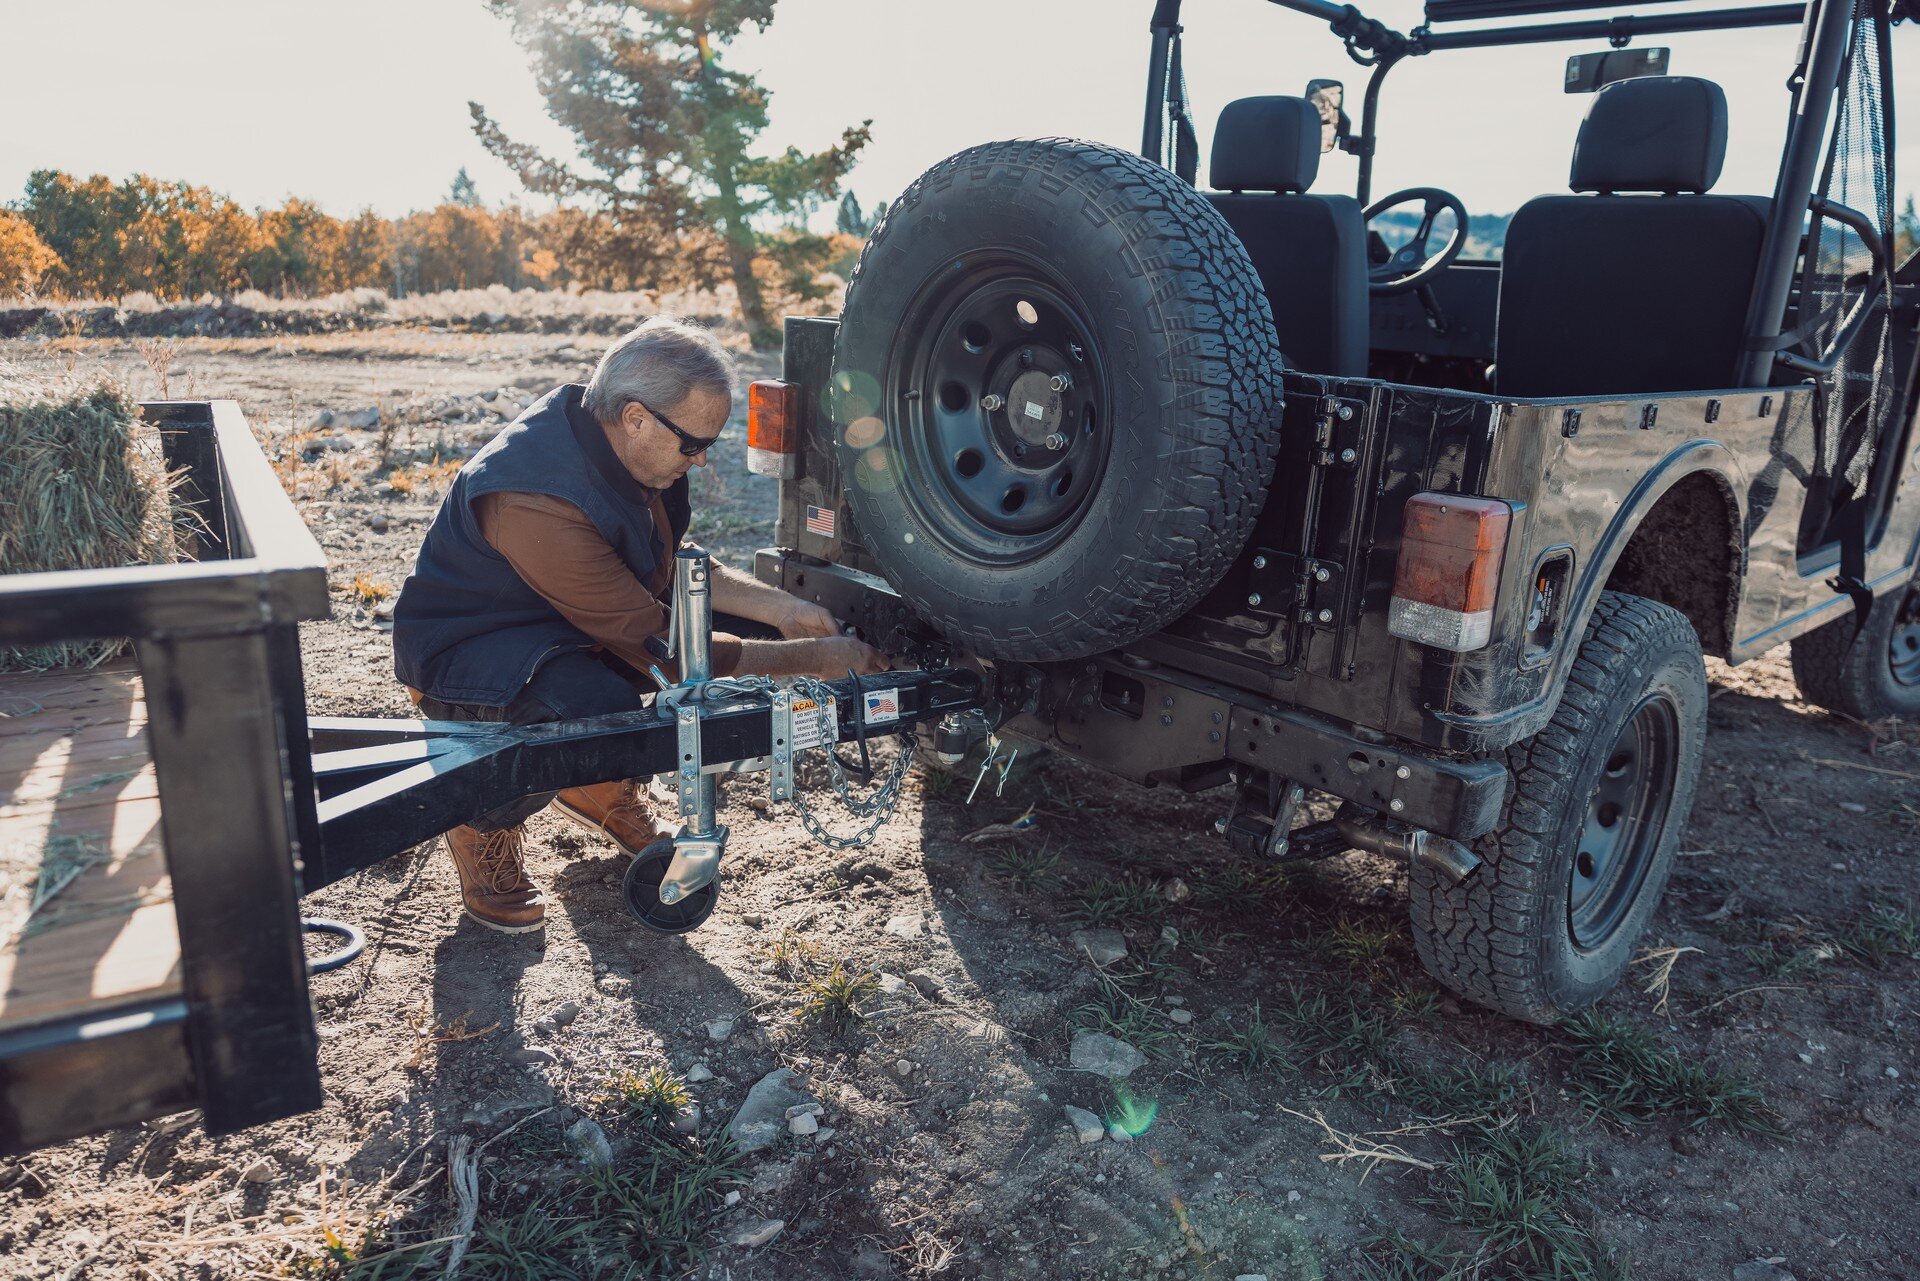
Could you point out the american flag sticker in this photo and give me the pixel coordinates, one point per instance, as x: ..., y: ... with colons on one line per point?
x: 819, y: 521
x: 883, y: 705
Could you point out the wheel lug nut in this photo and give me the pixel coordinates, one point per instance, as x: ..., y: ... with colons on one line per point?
x: 1026, y: 357
x: 991, y: 402
x: 1059, y: 382
x: 1056, y: 441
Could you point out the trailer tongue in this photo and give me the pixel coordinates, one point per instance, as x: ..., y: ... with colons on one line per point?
x: 386, y: 785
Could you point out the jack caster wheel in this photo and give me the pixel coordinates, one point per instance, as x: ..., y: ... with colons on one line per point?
x: 642, y: 887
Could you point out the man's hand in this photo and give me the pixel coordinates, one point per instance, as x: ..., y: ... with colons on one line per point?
x: 802, y: 619
x: 827, y: 657
x: 835, y: 654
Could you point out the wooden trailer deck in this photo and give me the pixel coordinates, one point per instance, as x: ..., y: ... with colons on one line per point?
x: 86, y: 905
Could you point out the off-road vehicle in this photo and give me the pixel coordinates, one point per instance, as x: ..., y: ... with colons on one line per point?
x: 1257, y: 488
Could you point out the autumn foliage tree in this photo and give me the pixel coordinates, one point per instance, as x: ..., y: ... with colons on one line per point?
x: 26, y: 261
x: 94, y: 237
x: 670, y: 190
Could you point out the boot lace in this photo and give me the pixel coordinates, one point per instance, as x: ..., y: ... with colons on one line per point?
x: 499, y: 861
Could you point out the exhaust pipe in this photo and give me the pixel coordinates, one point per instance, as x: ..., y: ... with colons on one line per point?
x: 1365, y: 830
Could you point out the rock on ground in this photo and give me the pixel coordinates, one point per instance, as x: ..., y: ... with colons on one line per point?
x: 762, y: 1118
x: 590, y: 1141
x: 1087, y: 1127
x: 1102, y: 947
x: 1109, y: 1056
x: 756, y: 1232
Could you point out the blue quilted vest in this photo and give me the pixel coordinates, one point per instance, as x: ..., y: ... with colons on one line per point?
x: 467, y: 628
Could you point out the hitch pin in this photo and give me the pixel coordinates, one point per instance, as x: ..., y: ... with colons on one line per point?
x: 986, y: 763
x: 1006, y: 768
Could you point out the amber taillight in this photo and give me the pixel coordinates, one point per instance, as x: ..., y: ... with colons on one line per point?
x: 773, y: 428
x: 1451, y: 547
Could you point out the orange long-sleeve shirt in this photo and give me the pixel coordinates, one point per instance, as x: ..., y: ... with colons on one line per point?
x: 556, y: 551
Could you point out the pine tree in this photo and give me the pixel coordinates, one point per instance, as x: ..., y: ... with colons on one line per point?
x: 464, y: 192
x: 665, y: 135
x: 850, y: 220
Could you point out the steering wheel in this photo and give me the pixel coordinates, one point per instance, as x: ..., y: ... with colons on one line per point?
x: 1409, y: 268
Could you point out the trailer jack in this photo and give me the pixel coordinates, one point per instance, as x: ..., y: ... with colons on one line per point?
x: 387, y: 785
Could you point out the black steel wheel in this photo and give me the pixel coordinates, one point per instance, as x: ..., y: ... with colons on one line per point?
x: 1057, y: 397
x: 1625, y: 820
x: 1003, y: 455
x: 1869, y: 672
x: 1569, y: 881
x: 1903, y: 643
x: 642, y: 889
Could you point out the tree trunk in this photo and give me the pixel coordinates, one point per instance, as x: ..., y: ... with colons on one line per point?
x: 739, y: 234
x: 753, y: 308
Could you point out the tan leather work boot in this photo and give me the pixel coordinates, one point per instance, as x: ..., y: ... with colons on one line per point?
x: 493, y: 879
x: 617, y: 810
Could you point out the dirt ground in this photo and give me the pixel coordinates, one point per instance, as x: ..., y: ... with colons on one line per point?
x: 1310, y: 1105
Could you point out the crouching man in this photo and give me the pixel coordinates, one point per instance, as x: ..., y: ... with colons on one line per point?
x: 550, y: 564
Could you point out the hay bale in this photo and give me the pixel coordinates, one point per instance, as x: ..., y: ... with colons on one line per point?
x: 82, y: 486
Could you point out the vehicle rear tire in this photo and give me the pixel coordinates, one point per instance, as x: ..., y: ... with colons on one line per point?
x: 1572, y: 876
x: 1056, y: 397
x: 1870, y: 672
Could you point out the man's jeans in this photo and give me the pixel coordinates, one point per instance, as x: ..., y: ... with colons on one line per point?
x: 564, y: 688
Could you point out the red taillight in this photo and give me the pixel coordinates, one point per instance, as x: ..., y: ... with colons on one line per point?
x: 1451, y: 546
x: 773, y: 428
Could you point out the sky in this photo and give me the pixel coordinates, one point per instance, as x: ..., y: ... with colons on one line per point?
x: 363, y: 103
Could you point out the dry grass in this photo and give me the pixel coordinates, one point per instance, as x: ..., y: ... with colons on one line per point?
x: 429, y: 1032
x: 368, y: 591
x: 424, y: 478
x: 82, y: 486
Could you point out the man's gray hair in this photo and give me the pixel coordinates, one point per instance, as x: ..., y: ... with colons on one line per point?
x: 659, y: 365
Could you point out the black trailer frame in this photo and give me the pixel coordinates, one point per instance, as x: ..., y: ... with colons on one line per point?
x: 261, y: 804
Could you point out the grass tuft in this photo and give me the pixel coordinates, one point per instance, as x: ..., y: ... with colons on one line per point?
x: 1365, y: 945
x: 1107, y: 900
x: 652, y: 1211
x: 1252, y: 1047
x: 540, y: 1243
x: 1885, y: 931
x: 1491, y: 1089
x: 1144, y: 1028
x: 1029, y: 870
x: 652, y: 1097
x: 1346, y: 1027
x: 794, y: 956
x: 832, y: 1000
x: 1621, y: 1073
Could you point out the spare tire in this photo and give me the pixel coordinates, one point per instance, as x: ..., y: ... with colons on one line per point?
x: 1057, y: 397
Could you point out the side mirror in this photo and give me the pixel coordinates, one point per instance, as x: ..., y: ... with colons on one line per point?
x: 1589, y: 72
x: 1326, y: 96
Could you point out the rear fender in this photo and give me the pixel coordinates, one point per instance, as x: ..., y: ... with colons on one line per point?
x: 1593, y: 571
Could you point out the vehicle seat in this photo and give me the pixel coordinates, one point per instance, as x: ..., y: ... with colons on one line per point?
x: 1310, y: 251
x: 1629, y: 294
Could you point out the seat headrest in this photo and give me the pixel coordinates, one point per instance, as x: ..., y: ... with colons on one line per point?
x: 1652, y: 133
x: 1266, y: 144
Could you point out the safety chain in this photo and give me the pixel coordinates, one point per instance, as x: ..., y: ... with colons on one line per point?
x: 877, y: 807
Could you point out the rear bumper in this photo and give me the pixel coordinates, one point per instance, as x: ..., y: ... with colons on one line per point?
x: 1150, y: 723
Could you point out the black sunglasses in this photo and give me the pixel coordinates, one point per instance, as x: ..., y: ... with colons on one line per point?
x: 690, y: 445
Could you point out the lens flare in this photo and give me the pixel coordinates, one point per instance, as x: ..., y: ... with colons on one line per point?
x: 1132, y: 1112
x: 851, y: 395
